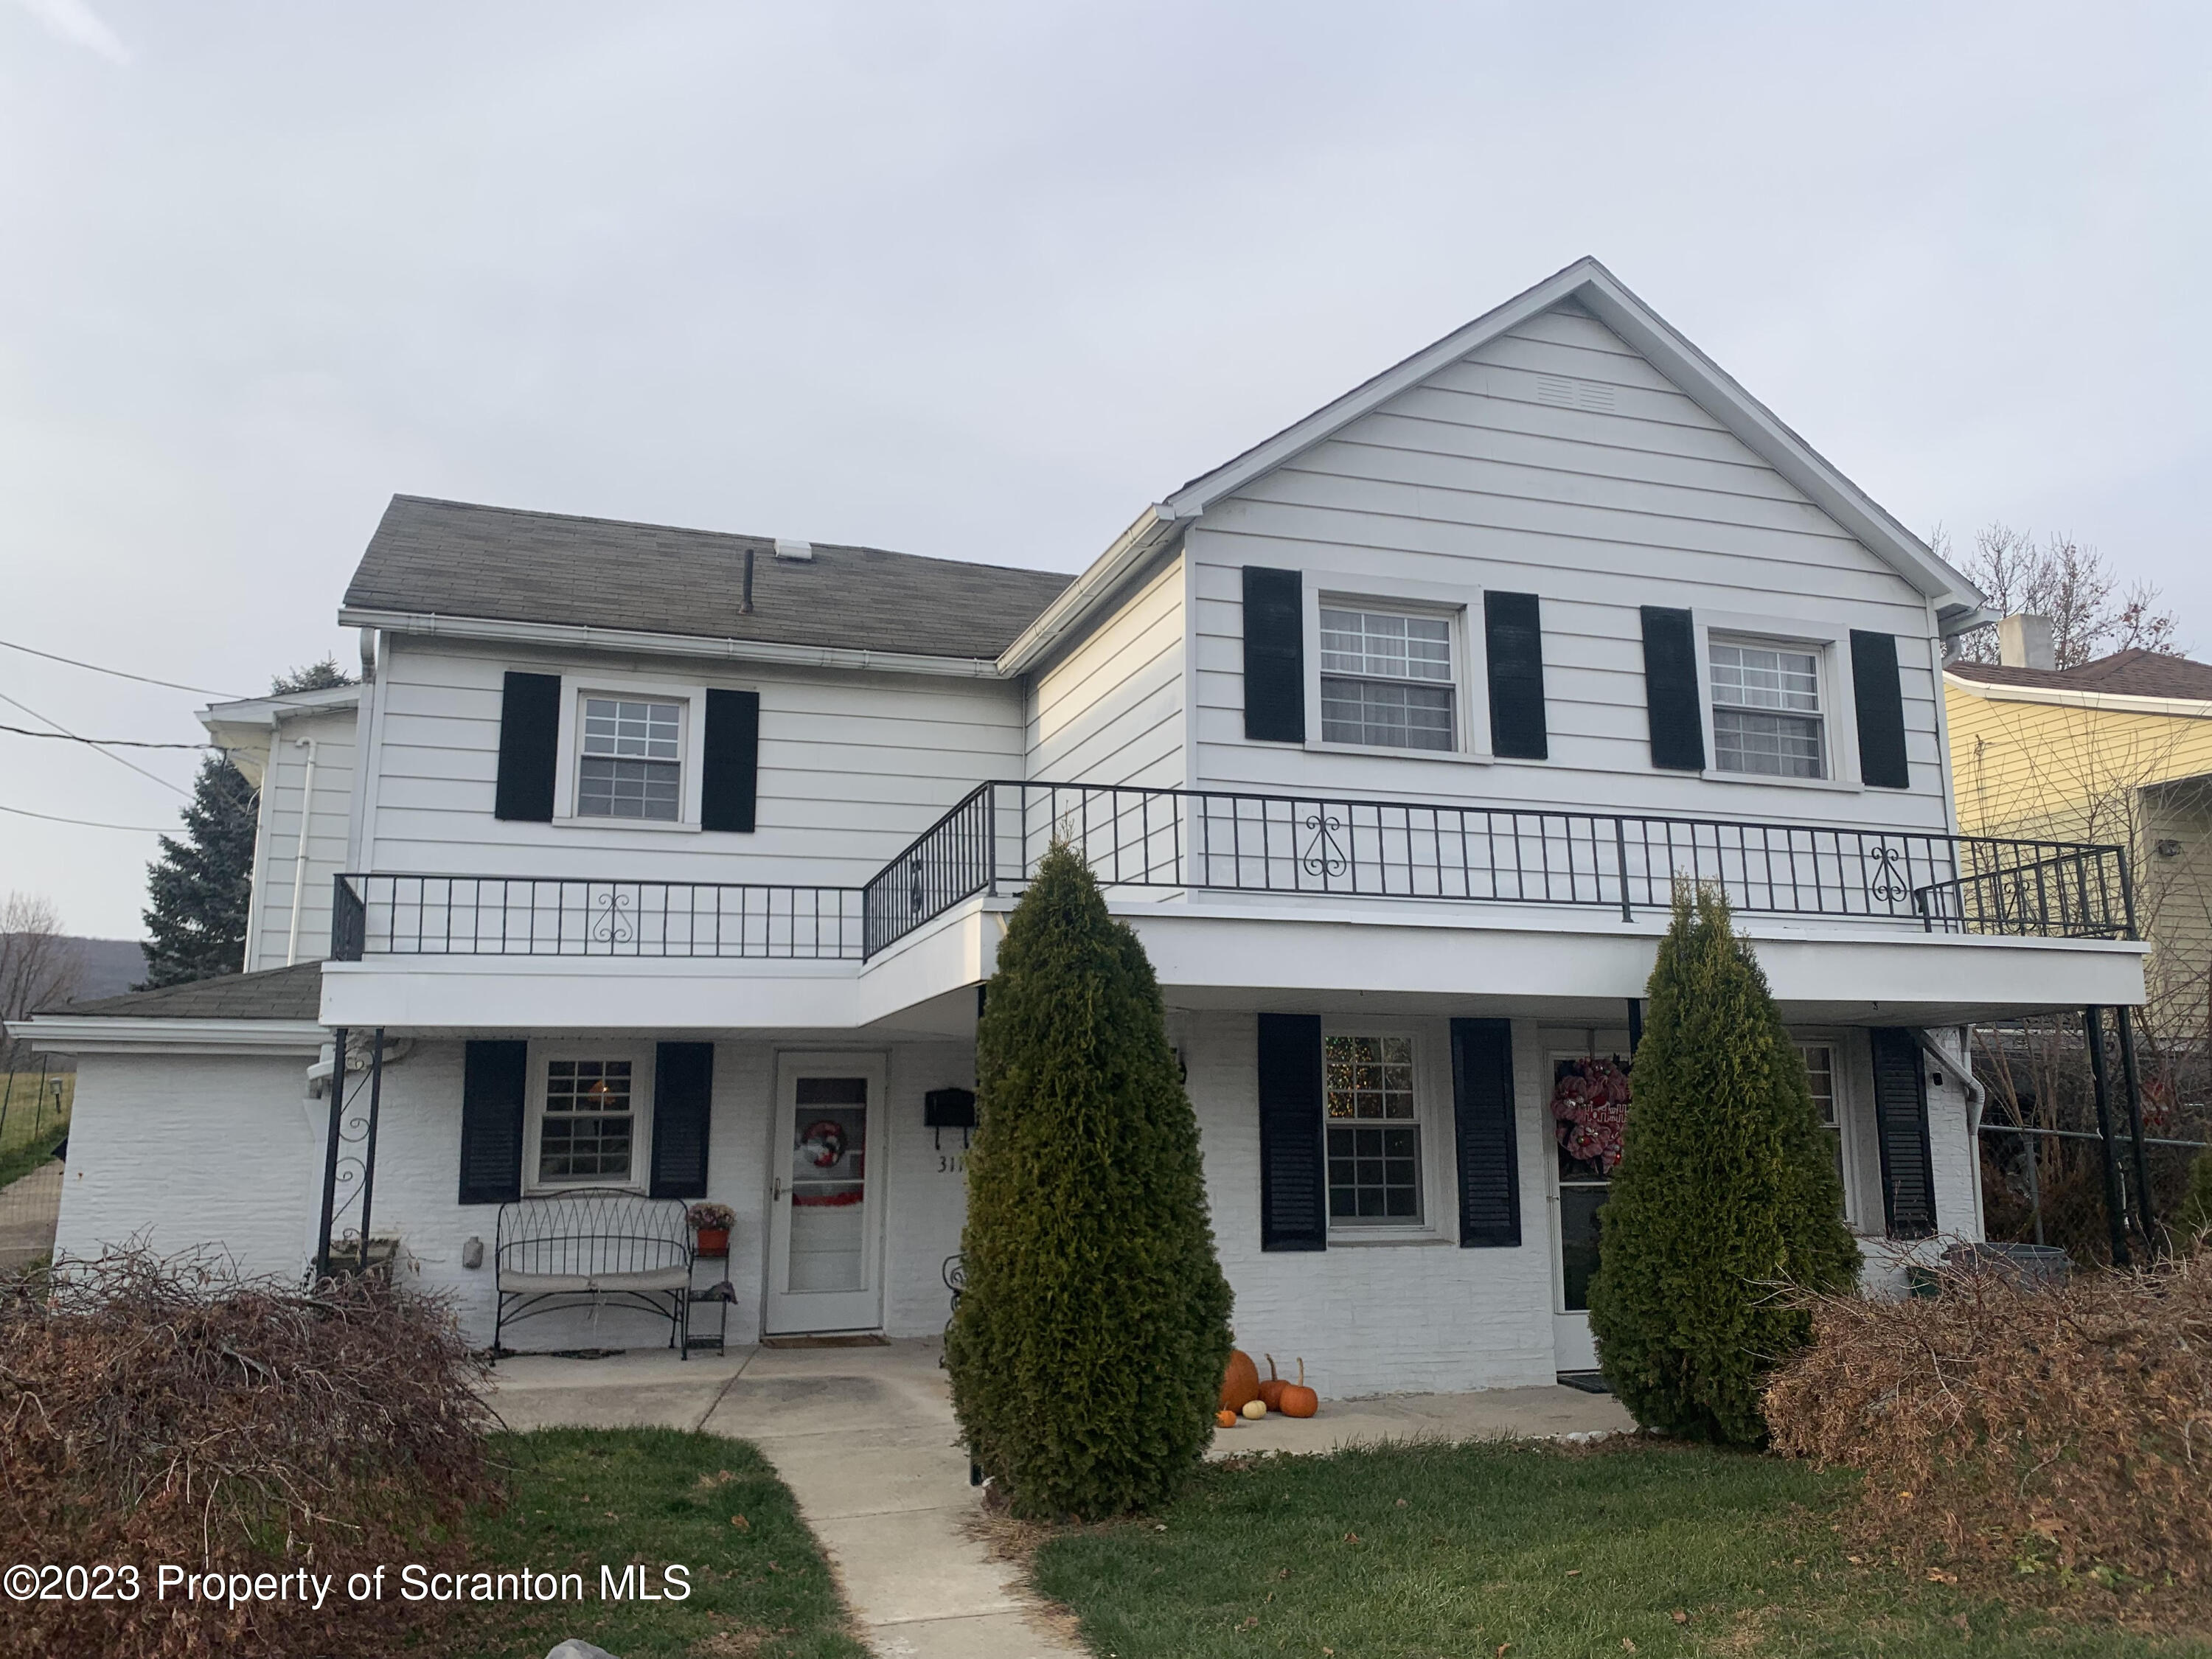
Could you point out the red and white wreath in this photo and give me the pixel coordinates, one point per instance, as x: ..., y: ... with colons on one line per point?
x: 1589, y: 1110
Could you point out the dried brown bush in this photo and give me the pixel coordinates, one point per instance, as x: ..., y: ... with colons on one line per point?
x: 156, y: 1412
x: 2058, y: 1438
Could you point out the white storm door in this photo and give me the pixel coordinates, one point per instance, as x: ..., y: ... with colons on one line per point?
x: 825, y: 1208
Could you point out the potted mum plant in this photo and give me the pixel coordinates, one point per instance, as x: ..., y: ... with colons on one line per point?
x: 712, y: 1222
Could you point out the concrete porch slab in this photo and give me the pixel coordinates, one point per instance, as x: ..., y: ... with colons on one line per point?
x: 1538, y: 1413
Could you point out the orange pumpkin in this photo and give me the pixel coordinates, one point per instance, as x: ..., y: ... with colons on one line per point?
x: 1299, y: 1401
x: 1227, y: 1418
x: 1272, y: 1390
x: 1240, y: 1384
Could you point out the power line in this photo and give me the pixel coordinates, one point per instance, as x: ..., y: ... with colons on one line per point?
x: 121, y: 674
x: 89, y: 824
x: 66, y: 732
x: 103, y: 743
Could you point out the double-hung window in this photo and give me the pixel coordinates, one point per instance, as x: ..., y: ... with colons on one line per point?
x: 631, y: 763
x: 1767, y: 718
x: 1386, y: 678
x: 587, y: 1131
x: 1374, y: 1131
x: 1820, y: 1075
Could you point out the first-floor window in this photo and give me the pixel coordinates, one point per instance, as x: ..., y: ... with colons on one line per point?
x: 631, y: 765
x: 1374, y: 1131
x: 1821, y: 1073
x: 587, y: 1128
x: 1386, y: 679
x: 1767, y: 709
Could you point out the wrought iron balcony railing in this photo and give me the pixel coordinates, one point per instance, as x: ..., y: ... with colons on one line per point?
x: 1172, y: 841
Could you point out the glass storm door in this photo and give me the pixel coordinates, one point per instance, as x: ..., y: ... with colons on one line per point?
x: 824, y: 1213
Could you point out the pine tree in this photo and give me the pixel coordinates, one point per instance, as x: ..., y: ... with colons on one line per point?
x: 1087, y: 1352
x: 202, y: 885
x: 1725, y: 1189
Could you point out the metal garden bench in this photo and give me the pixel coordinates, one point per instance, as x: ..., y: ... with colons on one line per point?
x: 594, y: 1247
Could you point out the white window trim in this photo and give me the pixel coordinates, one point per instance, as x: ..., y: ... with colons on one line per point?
x: 574, y: 688
x: 1830, y: 643
x: 640, y: 1058
x: 1431, y: 1114
x: 1843, y: 1060
x: 1458, y: 606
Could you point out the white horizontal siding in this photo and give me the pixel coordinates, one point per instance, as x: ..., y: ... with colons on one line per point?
x: 282, y: 800
x: 1112, y: 710
x: 852, y: 766
x: 1474, y: 481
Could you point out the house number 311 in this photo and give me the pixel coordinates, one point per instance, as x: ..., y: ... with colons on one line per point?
x: 952, y: 1164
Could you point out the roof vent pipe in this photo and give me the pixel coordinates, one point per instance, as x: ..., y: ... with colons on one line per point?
x: 791, y: 549
x: 2024, y: 640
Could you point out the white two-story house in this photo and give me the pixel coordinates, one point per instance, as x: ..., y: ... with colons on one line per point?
x: 676, y: 860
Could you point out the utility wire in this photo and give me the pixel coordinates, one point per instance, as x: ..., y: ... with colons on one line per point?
x: 103, y: 743
x: 89, y: 823
x: 229, y: 696
x: 66, y: 732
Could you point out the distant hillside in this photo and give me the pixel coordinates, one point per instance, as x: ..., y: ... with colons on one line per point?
x: 112, y: 966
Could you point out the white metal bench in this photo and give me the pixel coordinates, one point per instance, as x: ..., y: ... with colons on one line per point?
x: 594, y: 1247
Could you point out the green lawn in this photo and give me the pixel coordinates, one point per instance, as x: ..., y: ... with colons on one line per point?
x: 30, y: 1117
x: 582, y: 1497
x: 1453, y: 1553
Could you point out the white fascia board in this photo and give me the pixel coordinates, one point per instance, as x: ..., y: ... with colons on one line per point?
x: 635, y: 643
x: 1153, y: 529
x: 92, y: 1034
x: 2187, y: 709
x: 245, y: 729
x: 1606, y: 297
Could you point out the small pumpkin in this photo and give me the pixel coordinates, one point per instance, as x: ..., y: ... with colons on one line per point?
x: 1225, y: 1418
x: 1272, y: 1390
x: 1240, y: 1383
x: 1299, y: 1401
x: 1255, y: 1409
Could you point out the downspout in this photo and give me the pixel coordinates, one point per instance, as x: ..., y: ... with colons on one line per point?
x: 299, y: 854
x: 1977, y: 1100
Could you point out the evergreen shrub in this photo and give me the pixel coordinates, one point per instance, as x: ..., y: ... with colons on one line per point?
x: 1087, y: 1352
x: 1726, y: 1190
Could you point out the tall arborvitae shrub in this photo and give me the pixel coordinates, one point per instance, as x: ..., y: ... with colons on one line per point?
x: 1726, y: 1189
x: 1087, y: 1352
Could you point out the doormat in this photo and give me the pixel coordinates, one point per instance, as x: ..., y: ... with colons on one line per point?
x: 1588, y: 1381
x: 865, y: 1342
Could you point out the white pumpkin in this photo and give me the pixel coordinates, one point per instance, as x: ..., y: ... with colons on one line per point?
x: 1255, y: 1409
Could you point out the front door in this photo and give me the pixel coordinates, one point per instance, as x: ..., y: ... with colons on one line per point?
x: 1585, y: 1115
x: 825, y: 1214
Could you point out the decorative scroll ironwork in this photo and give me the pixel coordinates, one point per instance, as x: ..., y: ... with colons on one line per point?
x: 1886, y: 886
x: 354, y: 1091
x: 1324, y: 856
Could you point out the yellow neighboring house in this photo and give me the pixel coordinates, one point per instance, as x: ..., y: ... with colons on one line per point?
x: 2117, y: 750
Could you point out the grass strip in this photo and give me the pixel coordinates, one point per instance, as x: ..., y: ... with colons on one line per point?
x: 21, y: 1159
x: 1510, y: 1551
x: 581, y: 1498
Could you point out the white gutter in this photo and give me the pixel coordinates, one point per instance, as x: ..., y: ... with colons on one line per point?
x: 572, y: 636
x: 1154, y: 527
x: 93, y: 1034
x: 2113, y: 703
x: 300, y: 854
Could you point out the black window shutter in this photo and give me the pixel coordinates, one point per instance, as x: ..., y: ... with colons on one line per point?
x: 1274, y: 656
x: 1670, y: 689
x: 1880, y: 699
x: 1482, y: 1123
x: 529, y: 735
x: 1513, y: 644
x: 682, y: 1092
x: 1900, y: 1117
x: 492, y: 1079
x: 729, y: 779
x: 1293, y: 1174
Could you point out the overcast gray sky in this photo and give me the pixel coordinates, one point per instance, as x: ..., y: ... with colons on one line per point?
x: 980, y: 280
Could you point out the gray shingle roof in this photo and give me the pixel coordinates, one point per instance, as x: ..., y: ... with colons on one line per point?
x: 459, y: 560
x: 2130, y: 673
x: 294, y: 993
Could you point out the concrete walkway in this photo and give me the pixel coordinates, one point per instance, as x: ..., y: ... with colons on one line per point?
x: 30, y: 1208
x: 864, y: 1439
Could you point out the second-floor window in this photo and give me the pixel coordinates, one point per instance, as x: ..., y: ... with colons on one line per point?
x: 1386, y: 679
x: 1767, y: 718
x: 631, y: 764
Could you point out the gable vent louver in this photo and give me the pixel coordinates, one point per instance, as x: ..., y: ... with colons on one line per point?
x: 1564, y: 392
